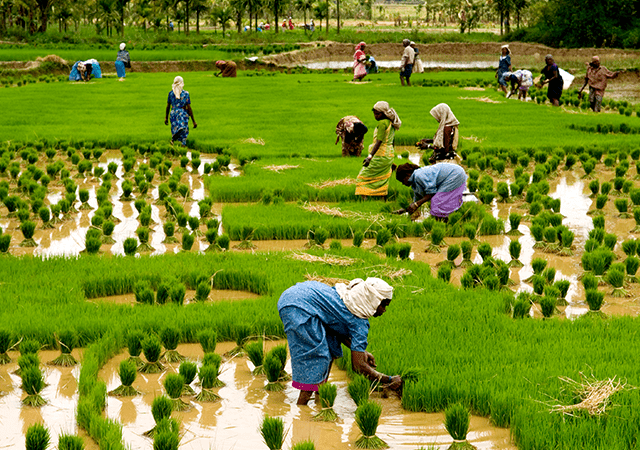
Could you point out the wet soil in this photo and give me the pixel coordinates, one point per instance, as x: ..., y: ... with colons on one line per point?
x: 214, y: 296
x: 233, y: 422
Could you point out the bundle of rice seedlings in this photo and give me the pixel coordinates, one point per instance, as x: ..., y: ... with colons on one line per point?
x: 29, y: 347
x: 491, y: 226
x: 174, y: 385
x: 169, y: 229
x: 595, y: 299
x: 32, y: 383
x: 605, y: 188
x: 246, y: 233
x: 467, y: 248
x: 240, y: 334
x: 563, y: 287
x: 485, y: 250
x: 272, y: 368
x: 629, y: 247
x: 161, y: 408
x: 107, y: 231
x: 45, y: 216
x: 549, y: 274
x: 631, y: 266
x: 272, y: 431
x: 438, y: 232
x: 188, y: 371
x: 187, y: 241
x: 6, y: 342
x: 214, y: 360
x: 539, y: 283
x: 281, y: 352
x: 566, y: 238
x: 636, y: 217
x: 616, y: 279
x: 359, y: 389
x: 37, y: 437
x: 514, y: 251
x: 589, y: 281
x: 304, y: 445
x: 367, y: 418
x: 67, y: 341
x: 601, y: 201
x: 170, y: 339
x: 597, y: 234
x: 391, y: 251
x: 469, y: 231
x: 404, y: 250
x: 208, y: 340
x: 502, y: 189
x: 5, y: 242
x: 152, y: 349
x: 143, y: 293
x: 130, y: 246
x: 134, y: 346
x: 177, y: 293
x: 610, y: 241
x: 194, y: 224
x: 453, y: 251
x: 167, y: 435
x: 208, y: 375
x: 444, y: 273
x: 548, y: 306
x: 327, y: 393
x: 127, y: 372
x: 83, y: 194
x: 514, y: 222
x: 143, y: 237
x: 28, y: 228
x: 456, y: 422
x: 70, y: 442
x: 622, y: 206
x: 255, y: 352
x: 550, y: 236
x: 211, y: 236
x: 358, y: 237
x: 383, y: 236
x: 203, y: 289
x: 521, y: 306
x: 27, y: 360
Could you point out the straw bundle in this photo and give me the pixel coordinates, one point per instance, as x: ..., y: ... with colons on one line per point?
x: 479, y: 99
x: 331, y: 260
x: 595, y: 395
x: 337, y: 212
x: 258, y: 141
x: 277, y: 169
x: 333, y: 183
x: 326, y: 280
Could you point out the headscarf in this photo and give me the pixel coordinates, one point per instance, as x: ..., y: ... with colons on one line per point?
x: 406, y: 42
x: 81, y: 67
x: 362, y: 298
x: 177, y: 87
x: 443, y: 114
x: 122, y: 46
x: 388, y: 111
x: 360, y: 45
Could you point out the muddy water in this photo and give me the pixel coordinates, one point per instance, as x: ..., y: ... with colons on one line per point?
x: 58, y: 415
x: 214, y: 296
x: 233, y: 422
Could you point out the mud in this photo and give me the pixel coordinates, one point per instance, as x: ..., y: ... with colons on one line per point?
x: 233, y: 422
x: 214, y: 296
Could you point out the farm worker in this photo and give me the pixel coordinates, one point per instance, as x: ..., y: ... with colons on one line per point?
x: 504, y: 66
x: 520, y: 79
x: 359, y: 60
x: 373, y: 179
x: 227, y: 69
x: 291, y: 24
x: 441, y: 184
x: 553, y: 79
x: 318, y: 318
x: 122, y: 60
x: 84, y: 70
x: 406, y: 64
x: 596, y: 78
x: 417, y: 62
x: 445, y: 141
x: 179, y: 103
x: 352, y: 131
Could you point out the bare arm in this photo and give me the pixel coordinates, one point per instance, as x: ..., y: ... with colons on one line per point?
x: 415, y: 205
x: 376, y: 146
x: 190, y: 112
x: 363, y: 362
x: 166, y: 114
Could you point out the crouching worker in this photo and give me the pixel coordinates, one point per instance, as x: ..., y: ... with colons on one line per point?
x: 351, y: 130
x: 228, y: 69
x: 318, y: 318
x: 441, y: 184
x: 445, y: 141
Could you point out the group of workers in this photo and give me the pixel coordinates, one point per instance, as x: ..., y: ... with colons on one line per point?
x: 364, y: 64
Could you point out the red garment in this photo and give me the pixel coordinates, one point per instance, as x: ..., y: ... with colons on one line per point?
x: 597, y: 78
x: 291, y: 25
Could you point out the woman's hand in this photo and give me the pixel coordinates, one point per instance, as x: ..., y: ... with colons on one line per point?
x: 396, y: 383
x: 399, y: 211
x: 366, y: 162
x: 412, y: 208
x: 369, y: 359
x: 166, y: 121
x: 195, y: 125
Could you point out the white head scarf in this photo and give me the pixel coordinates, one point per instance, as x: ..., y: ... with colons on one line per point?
x: 443, y: 114
x: 362, y: 298
x: 81, y: 67
x: 178, y: 85
x: 388, y: 111
x: 122, y: 46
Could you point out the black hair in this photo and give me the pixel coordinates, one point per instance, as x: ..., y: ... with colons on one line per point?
x: 404, y: 171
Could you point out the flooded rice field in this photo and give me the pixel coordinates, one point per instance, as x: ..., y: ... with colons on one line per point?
x: 395, y: 64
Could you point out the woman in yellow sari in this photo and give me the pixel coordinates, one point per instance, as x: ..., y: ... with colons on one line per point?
x: 373, y: 179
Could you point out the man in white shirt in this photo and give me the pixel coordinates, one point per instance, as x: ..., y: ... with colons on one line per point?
x: 406, y: 65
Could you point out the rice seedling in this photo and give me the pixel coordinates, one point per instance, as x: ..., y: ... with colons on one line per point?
x: 143, y: 293
x: 272, y: 431
x: 601, y: 201
x: 595, y: 299
x: 130, y: 246
x: 444, y: 273
x: 29, y: 347
x: 549, y: 275
x: 456, y: 422
x: 37, y: 437
x: 535, y: 208
x: 203, y: 289
x: 610, y: 241
x: 134, y: 346
x: 453, y: 251
x: 548, y: 306
x: 629, y: 247
x: 32, y: 383
x: 70, y: 442
x: 550, y: 237
x: 246, y: 234
x: 599, y: 222
x: 589, y: 281
x: 514, y: 222
x: 161, y: 408
x: 491, y: 226
x: 174, y: 385
x: 177, y: 293
x: 563, y: 287
x: 616, y: 279
x: 470, y: 232
x: 383, y: 236
x: 467, y: 248
x: 127, y: 372
x: 566, y: 238
x: 214, y: 360
x: 605, y: 188
x: 272, y: 368
x: 538, y: 283
x: 622, y: 206
x: 194, y: 224
x: 304, y: 445
x: 358, y: 237
x: 143, y: 237
x: 211, y: 236
x: 537, y: 231
x: 240, y: 335
x: 281, y: 352
x: 438, y: 232
x: 67, y: 341
x: 169, y: 229
x: 503, y: 191
x: 404, y: 251
x: 152, y: 349
x: 485, y: 250
x: 208, y: 340
x: 208, y: 375
x: 166, y: 438
x: 28, y: 228
x: 188, y: 371
x: 636, y: 217
x: 170, y: 339
x: 521, y: 306
x: 391, y: 251
x: 6, y: 342
x: 597, y: 234
x: 223, y: 241
x: 327, y: 393
x: 634, y: 195
x: 631, y: 266
x: 255, y: 352
x: 367, y: 418
x: 5, y: 242
x: 359, y: 389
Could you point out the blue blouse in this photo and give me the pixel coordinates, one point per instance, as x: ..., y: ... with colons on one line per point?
x: 441, y: 177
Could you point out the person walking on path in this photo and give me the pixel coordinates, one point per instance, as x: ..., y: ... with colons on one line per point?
x: 373, y: 179
x: 179, y: 103
x: 406, y: 64
x: 318, y: 318
x: 597, y: 77
x: 553, y: 79
x: 504, y: 66
x: 123, y: 60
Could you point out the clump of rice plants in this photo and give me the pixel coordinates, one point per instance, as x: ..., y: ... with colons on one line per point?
x: 456, y: 422
x: 169, y: 229
x: 444, y: 273
x: 170, y: 339
x: 203, y: 289
x: 304, y: 445
x: 438, y: 232
x: 636, y: 217
x: 187, y: 241
x: 174, y: 385
x: 514, y: 251
x: 622, y: 206
x: 550, y: 236
x: 107, y: 231
x: 211, y: 236
x: 208, y: 375
x: 327, y: 393
x: 255, y: 352
x: 32, y: 383
x: 469, y: 231
x: 246, y: 233
x: 161, y: 408
x: 467, y: 248
x: 127, y: 372
x: 563, y: 287
x: 67, y: 341
x: 485, y: 250
x: 631, y: 265
x: 453, y: 251
x: 491, y: 226
x: 177, y: 293
x: 143, y: 293
x: 595, y: 299
x: 566, y: 239
x: 281, y: 352
x: 6, y: 342
x: 28, y: 228
x: 134, y: 346
x: 616, y: 279
x: 367, y: 418
x: 404, y: 250
x: 629, y: 247
x: 130, y: 246
x: 548, y: 306
x: 521, y: 306
x: 70, y: 442
x: 537, y: 231
x: 214, y: 360
x: 272, y: 431
x: 208, y: 340
x: 610, y: 241
x: 188, y: 371
x: 601, y: 201
x: 538, y: 283
x: 152, y: 349
x: 143, y: 237
x: 549, y: 274
x: 358, y: 238
x: 359, y: 389
x: 5, y: 242
x: 598, y: 222
x: 167, y: 435
x: 514, y: 222
x: 594, y: 187
x: 37, y: 437
x: 383, y: 236
x: 272, y: 368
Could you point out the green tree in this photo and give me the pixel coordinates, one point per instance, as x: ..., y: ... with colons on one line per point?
x: 200, y: 7
x: 305, y: 6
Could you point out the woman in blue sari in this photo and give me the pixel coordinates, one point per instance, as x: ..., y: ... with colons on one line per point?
x: 179, y: 103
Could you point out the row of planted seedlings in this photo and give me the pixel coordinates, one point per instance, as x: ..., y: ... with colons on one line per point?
x: 33, y: 185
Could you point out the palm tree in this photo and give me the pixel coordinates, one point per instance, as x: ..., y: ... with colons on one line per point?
x: 304, y: 6
x: 200, y: 7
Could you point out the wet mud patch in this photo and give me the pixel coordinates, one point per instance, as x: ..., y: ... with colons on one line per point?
x: 214, y: 296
